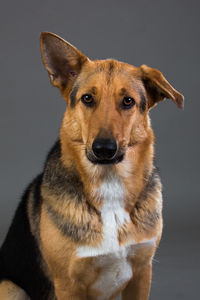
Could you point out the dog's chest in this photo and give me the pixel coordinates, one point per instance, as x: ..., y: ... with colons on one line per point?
x: 115, y: 271
x: 110, y: 257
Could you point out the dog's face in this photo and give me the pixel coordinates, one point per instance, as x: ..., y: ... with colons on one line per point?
x: 108, y: 101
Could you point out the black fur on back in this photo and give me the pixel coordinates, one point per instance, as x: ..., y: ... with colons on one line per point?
x: 20, y: 257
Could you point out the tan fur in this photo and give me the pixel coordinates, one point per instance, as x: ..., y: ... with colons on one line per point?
x: 10, y: 291
x: 72, y: 276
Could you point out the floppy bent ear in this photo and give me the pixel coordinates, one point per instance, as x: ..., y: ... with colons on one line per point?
x: 158, y: 88
x: 62, y: 60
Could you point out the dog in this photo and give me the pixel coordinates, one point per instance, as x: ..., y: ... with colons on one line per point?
x: 89, y: 225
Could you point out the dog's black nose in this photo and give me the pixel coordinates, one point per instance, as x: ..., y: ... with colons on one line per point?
x: 104, y: 148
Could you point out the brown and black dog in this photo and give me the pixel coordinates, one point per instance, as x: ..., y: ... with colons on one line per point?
x: 89, y: 225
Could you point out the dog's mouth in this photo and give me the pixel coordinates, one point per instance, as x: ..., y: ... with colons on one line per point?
x: 104, y: 161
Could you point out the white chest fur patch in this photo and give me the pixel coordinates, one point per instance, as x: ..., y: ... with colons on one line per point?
x: 116, y: 268
x: 113, y: 216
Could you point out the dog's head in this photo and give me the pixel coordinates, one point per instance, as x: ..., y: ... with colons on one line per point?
x: 107, y: 101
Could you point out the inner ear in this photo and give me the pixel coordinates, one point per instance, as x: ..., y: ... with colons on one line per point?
x: 62, y: 60
x: 158, y: 88
x: 154, y: 92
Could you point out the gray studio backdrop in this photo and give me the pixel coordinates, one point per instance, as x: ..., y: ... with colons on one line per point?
x: 161, y: 34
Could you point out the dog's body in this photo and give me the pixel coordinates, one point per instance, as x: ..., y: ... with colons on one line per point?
x: 89, y: 225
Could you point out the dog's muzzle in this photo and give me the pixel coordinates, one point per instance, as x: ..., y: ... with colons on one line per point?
x: 104, y: 151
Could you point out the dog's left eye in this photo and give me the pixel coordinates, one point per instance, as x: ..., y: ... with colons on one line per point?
x: 128, y: 102
x: 87, y: 99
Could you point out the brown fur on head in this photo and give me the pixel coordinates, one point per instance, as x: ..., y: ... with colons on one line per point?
x: 106, y: 99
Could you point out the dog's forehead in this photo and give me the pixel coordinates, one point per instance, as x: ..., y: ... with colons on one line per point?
x: 110, y: 72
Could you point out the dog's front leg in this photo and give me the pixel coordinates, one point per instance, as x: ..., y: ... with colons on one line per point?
x: 139, y: 287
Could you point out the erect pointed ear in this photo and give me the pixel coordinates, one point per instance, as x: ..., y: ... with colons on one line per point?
x: 62, y: 60
x: 158, y: 88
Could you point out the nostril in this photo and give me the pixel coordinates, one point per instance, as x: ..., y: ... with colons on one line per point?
x: 104, y: 148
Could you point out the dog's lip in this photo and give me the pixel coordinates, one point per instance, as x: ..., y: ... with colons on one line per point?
x: 115, y: 160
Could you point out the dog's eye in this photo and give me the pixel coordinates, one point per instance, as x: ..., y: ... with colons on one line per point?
x: 128, y: 102
x: 87, y: 99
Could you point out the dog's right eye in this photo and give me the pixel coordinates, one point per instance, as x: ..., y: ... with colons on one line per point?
x: 88, y: 100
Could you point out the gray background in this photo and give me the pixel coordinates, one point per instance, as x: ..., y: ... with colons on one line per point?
x: 161, y: 34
